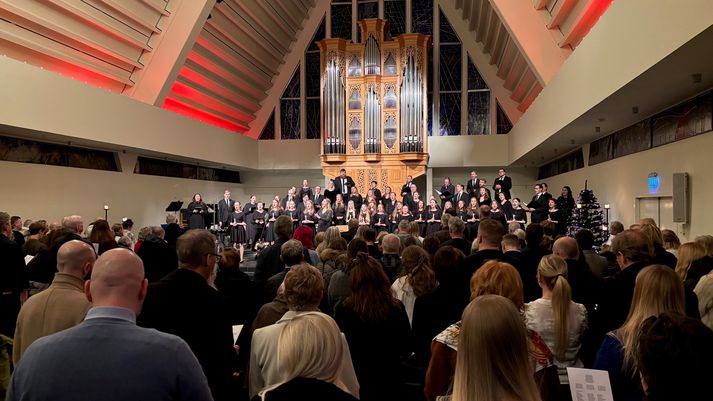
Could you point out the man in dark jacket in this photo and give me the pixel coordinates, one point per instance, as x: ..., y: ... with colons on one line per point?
x: 455, y: 229
x: 184, y: 304
x: 158, y: 256
x: 269, y: 262
x: 13, y: 277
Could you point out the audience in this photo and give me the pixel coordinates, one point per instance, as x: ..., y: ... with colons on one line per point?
x: 291, y: 254
x: 33, y: 245
x: 62, y: 305
x: 391, y: 259
x: 653, y: 233
x: 417, y: 278
x: 598, y: 265
x: 560, y: 321
x: 236, y: 287
x: 107, y: 357
x: 158, y: 256
x: 201, y: 319
x: 304, y: 288
x: 311, y: 353
x: 13, y: 277
x: 338, y: 287
x: 377, y: 329
x: 456, y: 227
x: 658, y: 289
x: 583, y: 284
x: 268, y: 261
x: 102, y: 236
x: 492, y: 363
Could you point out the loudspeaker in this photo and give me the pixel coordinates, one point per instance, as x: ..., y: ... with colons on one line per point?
x: 680, y: 197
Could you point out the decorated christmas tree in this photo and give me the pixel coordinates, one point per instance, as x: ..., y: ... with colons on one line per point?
x: 588, y: 214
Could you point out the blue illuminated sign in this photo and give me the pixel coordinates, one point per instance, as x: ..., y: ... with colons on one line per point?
x: 653, y: 183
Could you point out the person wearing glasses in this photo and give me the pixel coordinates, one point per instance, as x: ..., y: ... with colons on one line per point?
x: 185, y: 304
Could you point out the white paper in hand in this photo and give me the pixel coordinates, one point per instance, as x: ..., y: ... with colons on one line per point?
x: 589, y: 385
x: 236, y: 332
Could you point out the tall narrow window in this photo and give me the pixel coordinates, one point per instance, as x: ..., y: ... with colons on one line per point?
x: 342, y: 19
x: 478, y: 102
x: 268, y: 132
x: 312, y: 74
x: 504, y: 124
x: 290, y: 108
x: 395, y: 13
x: 450, y: 79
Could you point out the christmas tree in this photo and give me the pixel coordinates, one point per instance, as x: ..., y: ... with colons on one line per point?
x: 588, y: 214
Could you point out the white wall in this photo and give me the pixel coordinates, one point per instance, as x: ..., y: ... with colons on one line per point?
x: 37, y: 191
x: 619, y: 181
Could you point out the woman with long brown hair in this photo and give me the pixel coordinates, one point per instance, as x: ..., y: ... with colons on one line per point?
x: 658, y: 289
x: 687, y: 254
x: 102, y: 236
x: 377, y: 330
x: 417, y: 277
x: 555, y: 317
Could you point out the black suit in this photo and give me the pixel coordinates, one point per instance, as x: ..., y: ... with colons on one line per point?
x: 224, y: 210
x: 472, y: 187
x: 539, y: 203
x: 451, y: 189
x: 13, y: 280
x: 406, y: 189
x: 183, y: 304
x: 317, y: 200
x: 460, y: 196
x: 505, y: 185
x: 302, y: 192
x: 377, y: 194
x: 159, y: 258
x: 345, y: 187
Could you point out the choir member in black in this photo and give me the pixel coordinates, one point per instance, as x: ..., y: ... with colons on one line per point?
x: 259, y: 218
x: 462, y: 211
x: 448, y: 208
x: 471, y: 225
x: 324, y: 216
x: 248, y: 211
x: 408, y: 198
x: 196, y: 211
x: 364, y: 217
x: 380, y: 222
x: 484, y: 184
x: 236, y: 222
x: 433, y: 217
x: 386, y: 195
x: 460, y: 195
x: 291, y: 196
x: 446, y: 192
x: 273, y: 213
x: 301, y: 205
x: 292, y: 213
x: 565, y: 203
x: 538, y: 205
x: 518, y: 214
x: 351, y: 211
x: 343, y: 183
x: 473, y: 185
x: 420, y: 218
x: 356, y: 197
x: 404, y: 215
x: 308, y: 218
x: 504, y: 204
x: 225, y: 208
x: 305, y: 190
x: 416, y: 198
x: 556, y: 216
x: 394, y: 216
x: 331, y: 192
x: 497, y: 214
x: 317, y: 198
x: 502, y: 184
x: 340, y: 211
x: 377, y: 192
x: 483, y: 197
x: 406, y: 188
x: 390, y: 203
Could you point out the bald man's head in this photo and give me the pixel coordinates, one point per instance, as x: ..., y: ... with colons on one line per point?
x: 566, y: 248
x: 117, y: 280
x: 76, y: 258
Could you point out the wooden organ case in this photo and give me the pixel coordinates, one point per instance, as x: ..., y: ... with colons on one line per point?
x: 374, y: 106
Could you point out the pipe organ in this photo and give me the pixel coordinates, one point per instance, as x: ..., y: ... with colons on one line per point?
x: 374, y: 106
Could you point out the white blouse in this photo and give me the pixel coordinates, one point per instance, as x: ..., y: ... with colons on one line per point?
x: 404, y: 293
x: 539, y: 316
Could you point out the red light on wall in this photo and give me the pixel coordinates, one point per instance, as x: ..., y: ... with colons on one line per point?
x: 190, y: 112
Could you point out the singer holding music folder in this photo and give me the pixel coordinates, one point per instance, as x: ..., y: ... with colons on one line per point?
x: 196, y: 212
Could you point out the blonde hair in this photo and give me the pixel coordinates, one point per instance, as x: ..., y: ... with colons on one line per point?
x: 687, y: 254
x: 492, y: 361
x: 553, y: 273
x: 658, y: 289
x: 707, y: 242
x: 310, y: 346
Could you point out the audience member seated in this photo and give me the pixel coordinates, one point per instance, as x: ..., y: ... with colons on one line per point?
x: 62, y: 305
x: 435, y: 311
x: 377, y: 329
x: 158, y: 256
x: 391, y: 259
x: 185, y: 304
x: 417, y: 278
x: 598, y: 265
x: 496, y: 278
x: 268, y: 261
x: 13, y: 277
x: 560, y: 321
x: 303, y: 291
x: 311, y: 353
x: 493, y: 336
x: 674, y: 358
x: 236, y: 287
x: 291, y: 254
x: 456, y: 227
x: 107, y: 357
x: 661, y: 257
x: 658, y: 289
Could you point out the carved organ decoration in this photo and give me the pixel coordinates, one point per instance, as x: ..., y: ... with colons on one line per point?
x: 373, y: 99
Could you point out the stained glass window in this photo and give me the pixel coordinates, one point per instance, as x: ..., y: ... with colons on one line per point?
x: 318, y: 35
x: 478, y: 102
x: 342, y: 20
x: 290, y: 108
x: 504, y: 124
x: 448, y: 35
x: 450, y: 67
x: 268, y: 132
x: 367, y: 9
x: 450, y: 115
x: 395, y: 13
x: 422, y: 16
x: 313, y: 118
x: 312, y: 74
